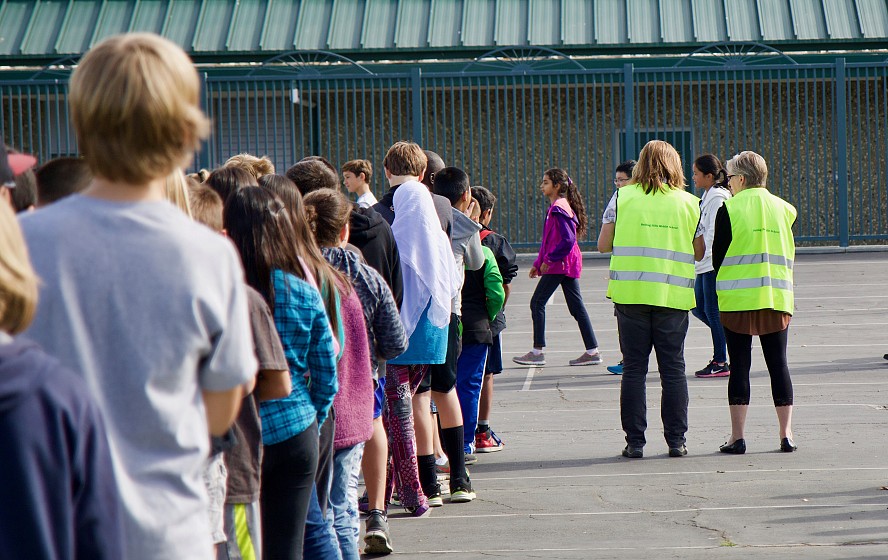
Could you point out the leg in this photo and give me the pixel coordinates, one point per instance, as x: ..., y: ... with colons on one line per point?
x: 324, y: 476
x: 343, y: 507
x: 485, y: 403
x: 740, y: 353
x: 570, y: 287
x: 423, y: 423
x: 669, y: 329
x: 635, y: 341
x: 774, y: 349
x: 699, y: 310
x: 469, y: 379
x: 320, y: 539
x: 288, y: 472
x: 399, y: 392
x: 710, y: 309
x: 544, y: 290
x: 374, y: 461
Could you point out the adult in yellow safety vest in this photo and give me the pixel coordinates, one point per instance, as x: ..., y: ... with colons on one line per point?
x: 752, y: 252
x: 652, y: 287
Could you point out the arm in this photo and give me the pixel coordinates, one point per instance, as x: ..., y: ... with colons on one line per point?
x: 222, y: 408
x: 474, y: 257
x: 507, y: 289
x: 390, y: 337
x: 321, y: 360
x: 568, y: 238
x: 606, y: 238
x: 495, y: 294
x: 722, y: 239
x: 396, y: 281
x: 699, y: 248
x: 273, y: 384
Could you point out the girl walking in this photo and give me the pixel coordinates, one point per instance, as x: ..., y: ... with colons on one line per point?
x: 560, y: 264
x: 710, y: 176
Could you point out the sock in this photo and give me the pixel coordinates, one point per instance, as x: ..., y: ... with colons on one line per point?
x: 441, y: 461
x: 428, y: 476
x: 483, y: 426
x: 452, y: 439
x: 592, y: 351
x: 537, y: 351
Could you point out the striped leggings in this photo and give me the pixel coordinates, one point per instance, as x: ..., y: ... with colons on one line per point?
x: 400, y: 386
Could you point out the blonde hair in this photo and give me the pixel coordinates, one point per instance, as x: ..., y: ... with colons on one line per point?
x: 206, y: 206
x: 255, y: 166
x: 134, y: 102
x: 405, y: 158
x: 175, y: 190
x: 18, y: 282
x: 751, y: 166
x: 658, y: 168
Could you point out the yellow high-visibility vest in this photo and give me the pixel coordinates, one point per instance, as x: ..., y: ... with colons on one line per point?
x: 757, y: 270
x: 653, y: 254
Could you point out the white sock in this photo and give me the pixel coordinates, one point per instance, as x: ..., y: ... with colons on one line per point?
x: 593, y: 351
x: 537, y: 351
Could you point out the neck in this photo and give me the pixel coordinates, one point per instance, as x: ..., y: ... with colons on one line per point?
x: 554, y: 198
x: 400, y: 179
x: 362, y: 189
x: 117, y: 191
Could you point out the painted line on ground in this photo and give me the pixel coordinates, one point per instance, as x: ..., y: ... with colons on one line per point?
x: 644, y: 511
x: 682, y: 473
x: 692, y: 407
x: 653, y: 386
x: 789, y: 347
x: 529, y: 379
x: 705, y: 328
x: 487, y: 550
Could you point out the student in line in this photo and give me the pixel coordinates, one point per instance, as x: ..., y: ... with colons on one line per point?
x: 161, y: 390
x: 356, y: 176
x: 622, y: 176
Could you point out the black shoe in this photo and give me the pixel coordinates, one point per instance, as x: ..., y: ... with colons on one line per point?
x: 679, y: 451
x: 736, y: 448
x: 376, y: 538
x: 633, y: 452
x: 787, y: 445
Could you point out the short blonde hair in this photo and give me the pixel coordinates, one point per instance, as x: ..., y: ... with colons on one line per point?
x: 18, y: 282
x: 174, y: 190
x: 405, y: 158
x: 255, y: 166
x: 658, y: 168
x: 206, y: 206
x: 751, y: 166
x: 134, y: 102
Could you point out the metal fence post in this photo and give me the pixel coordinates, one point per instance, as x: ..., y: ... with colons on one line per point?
x: 416, y: 102
x: 203, y: 154
x: 629, y: 111
x: 842, y: 152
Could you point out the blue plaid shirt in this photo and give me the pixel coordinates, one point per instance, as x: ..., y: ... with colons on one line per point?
x: 308, y: 345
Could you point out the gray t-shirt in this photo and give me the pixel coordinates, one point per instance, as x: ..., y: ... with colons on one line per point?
x: 150, y: 308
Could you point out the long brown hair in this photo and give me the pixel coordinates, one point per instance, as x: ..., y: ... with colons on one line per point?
x: 328, y: 211
x: 328, y: 277
x: 658, y: 168
x: 567, y: 188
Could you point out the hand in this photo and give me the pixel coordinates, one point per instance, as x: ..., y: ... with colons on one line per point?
x: 533, y: 273
x: 544, y: 268
x: 469, y: 209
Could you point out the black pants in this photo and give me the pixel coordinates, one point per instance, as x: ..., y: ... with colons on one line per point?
x: 570, y: 287
x: 324, y: 474
x: 642, y: 328
x: 288, y: 476
x: 740, y: 354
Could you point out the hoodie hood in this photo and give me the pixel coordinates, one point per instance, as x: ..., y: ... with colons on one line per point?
x: 463, y: 226
x: 346, y: 262
x: 19, y: 377
x: 365, y: 224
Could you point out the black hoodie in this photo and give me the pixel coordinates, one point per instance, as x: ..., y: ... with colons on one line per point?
x: 373, y: 236
x: 58, y: 497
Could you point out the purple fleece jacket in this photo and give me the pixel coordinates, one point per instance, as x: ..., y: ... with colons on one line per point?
x: 354, y: 400
x: 559, y: 247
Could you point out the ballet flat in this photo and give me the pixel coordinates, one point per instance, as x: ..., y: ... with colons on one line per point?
x: 736, y: 448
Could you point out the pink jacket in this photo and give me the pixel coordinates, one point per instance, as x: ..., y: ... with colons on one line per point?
x: 559, y: 248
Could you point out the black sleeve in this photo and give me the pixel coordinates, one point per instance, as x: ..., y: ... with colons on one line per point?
x: 396, y: 281
x: 722, y: 237
x: 505, y: 260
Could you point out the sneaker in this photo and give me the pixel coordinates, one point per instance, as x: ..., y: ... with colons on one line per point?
x: 713, y: 369
x: 617, y: 369
x: 364, y: 504
x: 471, y: 458
x: 587, y: 359
x: 488, y: 442
x: 531, y: 359
x: 435, y: 498
x: 419, y: 511
x: 462, y: 494
x: 376, y: 534
x: 679, y: 451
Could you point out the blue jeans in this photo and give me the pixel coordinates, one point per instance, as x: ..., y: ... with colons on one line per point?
x: 320, y: 541
x: 469, y: 378
x: 343, y: 512
x: 707, y: 311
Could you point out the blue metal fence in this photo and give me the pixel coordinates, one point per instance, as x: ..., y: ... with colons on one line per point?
x: 513, y: 113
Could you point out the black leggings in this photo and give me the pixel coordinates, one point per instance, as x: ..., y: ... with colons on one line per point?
x: 740, y: 354
x: 288, y: 476
x: 570, y: 287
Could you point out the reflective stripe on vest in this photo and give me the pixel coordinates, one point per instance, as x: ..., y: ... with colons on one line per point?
x: 653, y: 253
x: 757, y: 270
x: 758, y: 259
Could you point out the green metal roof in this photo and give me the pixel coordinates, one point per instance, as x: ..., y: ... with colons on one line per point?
x: 366, y: 29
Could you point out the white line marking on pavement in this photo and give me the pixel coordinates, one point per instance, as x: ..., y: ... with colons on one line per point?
x: 521, y: 551
x: 587, y: 410
x: 681, y: 473
x: 650, y: 511
x: 653, y: 386
x: 529, y: 379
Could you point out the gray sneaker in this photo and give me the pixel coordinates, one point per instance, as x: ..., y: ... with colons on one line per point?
x: 376, y: 539
x: 531, y: 359
x: 587, y: 360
